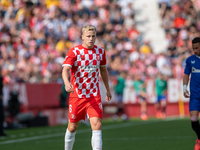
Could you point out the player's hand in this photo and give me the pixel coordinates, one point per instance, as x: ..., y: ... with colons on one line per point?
x: 69, y: 88
x: 186, y: 94
x: 108, y: 96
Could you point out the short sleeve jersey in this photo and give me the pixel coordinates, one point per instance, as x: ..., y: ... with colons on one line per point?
x: 193, y: 67
x: 161, y: 86
x: 138, y: 85
x: 85, y: 65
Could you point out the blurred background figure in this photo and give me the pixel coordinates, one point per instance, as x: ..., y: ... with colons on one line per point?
x: 14, y: 105
x: 63, y: 103
x: 119, y: 85
x: 161, y: 93
x: 2, y: 117
x: 12, y: 110
x: 139, y: 85
x: 14, y: 113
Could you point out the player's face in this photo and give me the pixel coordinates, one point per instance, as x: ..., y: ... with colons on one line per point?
x: 89, y: 38
x: 196, y: 48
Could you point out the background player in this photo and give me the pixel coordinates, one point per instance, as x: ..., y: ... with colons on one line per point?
x: 161, y: 89
x: 193, y: 68
x: 119, y: 86
x: 85, y: 62
x: 139, y: 85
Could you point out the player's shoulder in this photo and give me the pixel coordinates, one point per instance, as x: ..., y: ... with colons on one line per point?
x: 99, y: 48
x: 75, y: 50
x: 191, y: 57
x: 77, y: 47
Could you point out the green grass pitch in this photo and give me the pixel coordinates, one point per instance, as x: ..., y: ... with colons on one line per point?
x: 168, y: 134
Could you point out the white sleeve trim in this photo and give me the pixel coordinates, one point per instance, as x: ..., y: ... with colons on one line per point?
x: 66, y: 65
x: 103, y: 66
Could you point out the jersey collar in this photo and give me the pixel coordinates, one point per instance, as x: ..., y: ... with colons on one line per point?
x: 197, y: 56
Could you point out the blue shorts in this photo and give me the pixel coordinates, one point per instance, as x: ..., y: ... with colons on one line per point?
x: 142, y: 98
x: 194, y: 104
x: 119, y: 98
x: 161, y: 97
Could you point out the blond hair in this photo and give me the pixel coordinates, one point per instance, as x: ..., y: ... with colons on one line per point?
x: 88, y: 28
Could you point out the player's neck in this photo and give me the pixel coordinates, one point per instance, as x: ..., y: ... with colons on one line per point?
x: 87, y: 47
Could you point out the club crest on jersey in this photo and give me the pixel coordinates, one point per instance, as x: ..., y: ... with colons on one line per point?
x: 98, y: 57
x: 73, y: 116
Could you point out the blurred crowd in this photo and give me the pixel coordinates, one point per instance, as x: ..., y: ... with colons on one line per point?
x: 35, y: 36
x: 181, y: 22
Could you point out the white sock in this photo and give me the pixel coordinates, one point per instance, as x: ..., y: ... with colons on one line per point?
x: 96, y: 140
x: 69, y: 140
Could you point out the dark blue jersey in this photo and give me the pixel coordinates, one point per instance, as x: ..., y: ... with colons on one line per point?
x: 193, y: 67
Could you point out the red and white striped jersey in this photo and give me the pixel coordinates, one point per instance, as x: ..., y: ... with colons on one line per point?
x: 85, y: 64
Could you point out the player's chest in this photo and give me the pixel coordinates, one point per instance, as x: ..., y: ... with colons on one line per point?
x: 195, y: 65
x: 88, y: 59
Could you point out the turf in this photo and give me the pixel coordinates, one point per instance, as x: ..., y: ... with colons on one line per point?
x: 168, y: 134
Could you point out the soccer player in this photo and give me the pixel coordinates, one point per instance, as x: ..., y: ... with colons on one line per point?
x: 193, y: 68
x: 85, y: 61
x: 139, y: 85
x: 119, y: 86
x: 161, y: 89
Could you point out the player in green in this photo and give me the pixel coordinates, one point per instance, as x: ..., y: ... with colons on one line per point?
x: 119, y: 86
x: 139, y: 85
x: 161, y: 91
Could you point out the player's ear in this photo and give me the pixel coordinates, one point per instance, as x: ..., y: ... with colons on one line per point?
x: 82, y: 37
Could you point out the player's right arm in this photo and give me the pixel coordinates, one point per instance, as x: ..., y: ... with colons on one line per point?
x: 65, y: 76
x: 67, y: 65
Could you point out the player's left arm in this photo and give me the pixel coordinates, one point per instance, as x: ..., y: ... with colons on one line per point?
x: 185, y: 83
x: 104, y: 76
x: 187, y: 72
x: 165, y: 90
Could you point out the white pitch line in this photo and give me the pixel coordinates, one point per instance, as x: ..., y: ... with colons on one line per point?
x: 108, y: 127
x: 141, y: 138
x: 32, y: 138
